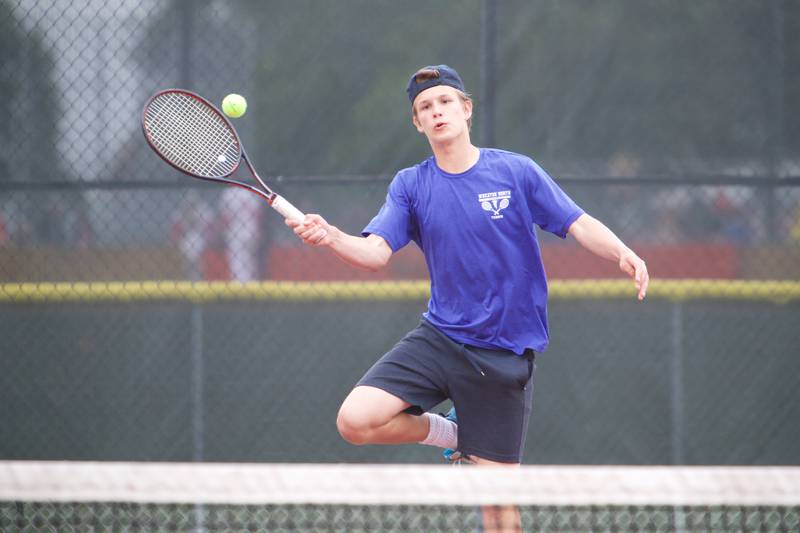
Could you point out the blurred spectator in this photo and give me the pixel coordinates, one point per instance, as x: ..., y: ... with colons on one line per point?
x: 794, y: 228
x: 700, y: 222
x: 190, y: 232
x: 80, y: 233
x: 64, y: 222
x: 728, y: 208
x: 241, y: 212
x: 83, y: 230
x: 625, y: 215
x: 4, y: 239
x: 50, y: 226
x: 668, y: 207
x: 624, y: 165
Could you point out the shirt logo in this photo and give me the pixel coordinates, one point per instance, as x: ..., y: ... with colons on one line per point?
x: 494, y: 202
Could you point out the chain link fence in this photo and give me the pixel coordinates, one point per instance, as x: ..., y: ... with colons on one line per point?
x: 147, y: 316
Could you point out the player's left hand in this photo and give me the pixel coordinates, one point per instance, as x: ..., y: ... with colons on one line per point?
x: 635, y: 267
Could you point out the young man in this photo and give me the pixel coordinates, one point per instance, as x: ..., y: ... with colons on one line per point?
x: 472, y: 211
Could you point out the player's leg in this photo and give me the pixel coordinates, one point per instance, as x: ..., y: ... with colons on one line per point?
x: 498, y: 518
x: 494, y: 405
x: 389, y: 404
x: 370, y: 415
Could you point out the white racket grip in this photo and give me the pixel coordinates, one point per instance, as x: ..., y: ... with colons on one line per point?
x: 282, y: 206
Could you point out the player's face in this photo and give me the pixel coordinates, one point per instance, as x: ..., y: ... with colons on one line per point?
x: 441, y: 114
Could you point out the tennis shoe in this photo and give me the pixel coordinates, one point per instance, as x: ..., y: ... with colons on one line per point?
x: 452, y: 456
x: 456, y: 458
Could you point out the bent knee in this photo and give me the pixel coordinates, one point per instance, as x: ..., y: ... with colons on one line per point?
x: 353, y: 428
x: 364, y: 413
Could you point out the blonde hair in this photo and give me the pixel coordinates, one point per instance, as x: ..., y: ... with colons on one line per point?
x: 431, y: 73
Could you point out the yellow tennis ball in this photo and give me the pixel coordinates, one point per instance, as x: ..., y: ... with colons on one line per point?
x: 234, y: 105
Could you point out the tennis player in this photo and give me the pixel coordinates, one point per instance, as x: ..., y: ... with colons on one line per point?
x: 472, y: 211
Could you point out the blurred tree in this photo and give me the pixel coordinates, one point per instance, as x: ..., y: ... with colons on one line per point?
x: 667, y: 83
x: 29, y: 107
x: 332, y: 79
x: 670, y: 81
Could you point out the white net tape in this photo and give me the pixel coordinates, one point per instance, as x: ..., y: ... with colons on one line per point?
x: 244, y: 484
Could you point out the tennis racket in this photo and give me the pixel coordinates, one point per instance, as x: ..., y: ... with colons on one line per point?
x: 192, y: 135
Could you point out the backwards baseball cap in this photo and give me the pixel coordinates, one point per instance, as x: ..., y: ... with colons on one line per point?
x: 444, y: 76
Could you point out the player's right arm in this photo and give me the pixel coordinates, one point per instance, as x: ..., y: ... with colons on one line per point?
x: 370, y: 253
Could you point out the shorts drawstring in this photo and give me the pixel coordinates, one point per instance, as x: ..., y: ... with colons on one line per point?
x: 469, y: 355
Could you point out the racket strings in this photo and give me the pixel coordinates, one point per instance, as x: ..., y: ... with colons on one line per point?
x: 191, y: 135
x: 200, y: 135
x: 200, y: 141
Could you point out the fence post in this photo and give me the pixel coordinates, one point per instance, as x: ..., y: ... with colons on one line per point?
x: 197, y: 400
x: 676, y: 387
x: 775, y: 123
x: 186, y: 16
x: 677, y: 404
x: 488, y: 70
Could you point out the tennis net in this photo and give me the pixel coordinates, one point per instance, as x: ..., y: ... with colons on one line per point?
x: 199, y: 497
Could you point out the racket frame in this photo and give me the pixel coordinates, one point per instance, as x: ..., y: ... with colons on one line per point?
x: 276, y: 201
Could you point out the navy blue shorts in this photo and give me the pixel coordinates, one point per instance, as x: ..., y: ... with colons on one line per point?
x: 492, y: 390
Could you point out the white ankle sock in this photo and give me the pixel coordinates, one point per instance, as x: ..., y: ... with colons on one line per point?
x: 443, y: 432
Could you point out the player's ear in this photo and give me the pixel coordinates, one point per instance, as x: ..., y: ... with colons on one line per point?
x: 468, y: 109
x: 416, y: 123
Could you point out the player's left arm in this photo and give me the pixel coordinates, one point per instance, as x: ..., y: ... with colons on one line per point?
x: 598, y: 239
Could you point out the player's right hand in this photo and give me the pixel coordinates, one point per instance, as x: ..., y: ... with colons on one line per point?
x: 313, y: 230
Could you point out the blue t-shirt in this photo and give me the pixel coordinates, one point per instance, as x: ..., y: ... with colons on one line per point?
x: 476, y: 230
